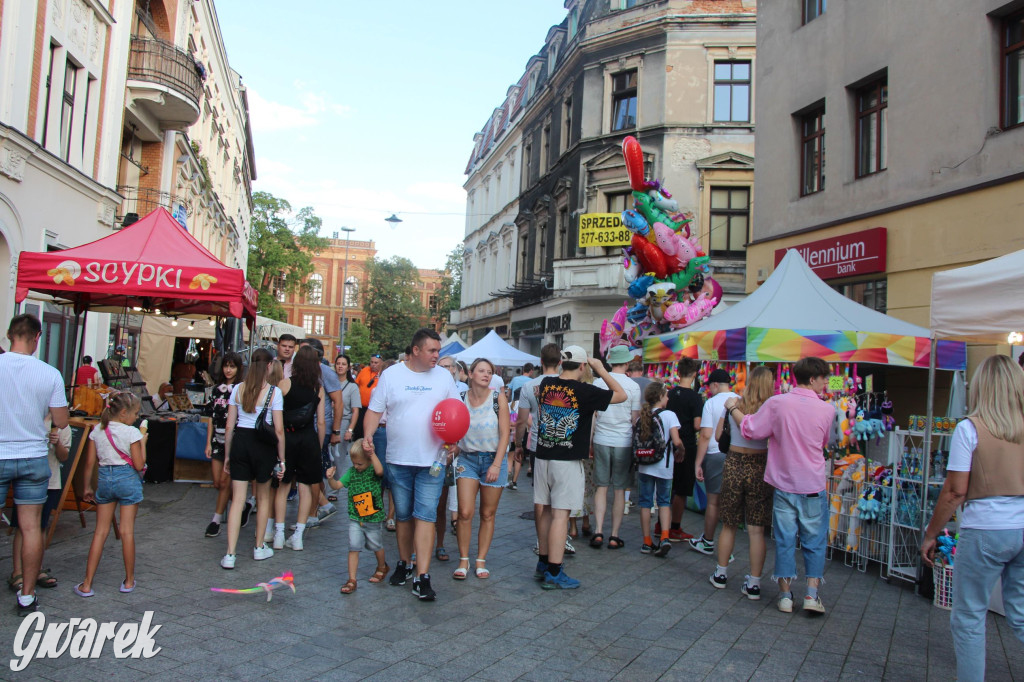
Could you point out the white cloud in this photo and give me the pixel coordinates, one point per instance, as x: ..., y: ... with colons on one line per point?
x: 269, y: 116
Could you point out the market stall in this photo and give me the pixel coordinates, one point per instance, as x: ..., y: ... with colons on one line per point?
x: 498, y: 351
x: 452, y: 345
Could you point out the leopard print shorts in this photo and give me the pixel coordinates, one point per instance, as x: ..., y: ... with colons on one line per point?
x: 745, y: 497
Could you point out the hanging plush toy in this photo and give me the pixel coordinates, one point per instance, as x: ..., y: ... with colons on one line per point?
x: 887, y: 419
x: 612, y: 330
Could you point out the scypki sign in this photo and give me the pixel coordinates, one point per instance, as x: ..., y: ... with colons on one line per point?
x: 848, y: 255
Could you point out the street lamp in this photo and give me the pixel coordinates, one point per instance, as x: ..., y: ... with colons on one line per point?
x: 394, y: 220
x: 344, y: 286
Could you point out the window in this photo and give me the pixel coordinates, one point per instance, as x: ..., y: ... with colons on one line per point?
x: 566, y: 141
x: 813, y: 9
x: 545, y: 149
x: 527, y: 164
x: 1013, y: 70
x: 732, y: 91
x: 315, y: 296
x: 872, y: 293
x: 318, y: 324
x: 540, y: 253
x: 67, y: 111
x: 562, y: 236
x: 872, y: 103
x: 49, y: 87
x: 619, y: 201
x: 307, y: 324
x: 432, y: 305
x: 523, y: 258
x: 812, y: 153
x: 624, y: 100
x: 352, y: 292
x: 730, y: 220
x: 279, y: 284
x: 85, y: 116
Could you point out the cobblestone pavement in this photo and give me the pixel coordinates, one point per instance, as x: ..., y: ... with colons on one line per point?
x: 636, y: 617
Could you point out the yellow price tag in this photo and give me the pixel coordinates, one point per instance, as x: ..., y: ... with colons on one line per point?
x: 836, y: 383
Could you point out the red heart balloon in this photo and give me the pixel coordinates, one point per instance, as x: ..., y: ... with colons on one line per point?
x: 634, y: 158
x: 650, y: 256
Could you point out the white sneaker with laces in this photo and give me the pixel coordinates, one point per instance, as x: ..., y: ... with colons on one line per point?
x: 279, y: 539
x: 295, y: 542
x: 813, y: 604
x: 228, y: 561
x: 261, y: 553
x: 786, y: 604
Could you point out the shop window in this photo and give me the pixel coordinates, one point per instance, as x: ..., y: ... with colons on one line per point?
x: 1013, y: 70
x: 812, y: 152
x: 624, y: 100
x: 812, y: 9
x: 730, y: 221
x: 871, y: 293
x: 732, y: 92
x: 872, y: 107
x: 307, y: 324
x: 315, y: 295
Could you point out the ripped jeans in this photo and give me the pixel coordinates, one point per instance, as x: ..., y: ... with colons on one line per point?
x: 804, y: 515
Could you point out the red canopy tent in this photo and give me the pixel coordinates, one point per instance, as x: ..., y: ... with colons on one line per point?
x: 153, y: 264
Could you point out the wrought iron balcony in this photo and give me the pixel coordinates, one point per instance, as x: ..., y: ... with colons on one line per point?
x: 140, y: 202
x: 166, y: 80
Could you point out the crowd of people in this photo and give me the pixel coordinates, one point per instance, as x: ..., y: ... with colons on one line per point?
x: 296, y: 421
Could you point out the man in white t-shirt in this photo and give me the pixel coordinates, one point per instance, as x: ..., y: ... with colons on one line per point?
x: 612, y: 449
x: 710, y: 459
x: 29, y: 390
x: 410, y: 391
x: 497, y: 383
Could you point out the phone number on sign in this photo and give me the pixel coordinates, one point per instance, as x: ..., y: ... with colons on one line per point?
x: 606, y: 237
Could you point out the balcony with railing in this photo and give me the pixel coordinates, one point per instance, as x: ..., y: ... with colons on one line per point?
x: 164, y: 81
x: 139, y: 202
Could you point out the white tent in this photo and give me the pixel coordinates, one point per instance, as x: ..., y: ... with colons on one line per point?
x: 979, y: 302
x: 495, y: 349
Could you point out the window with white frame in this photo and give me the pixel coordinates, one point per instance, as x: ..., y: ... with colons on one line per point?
x: 352, y: 292
x: 315, y: 295
x: 307, y: 324
x: 67, y: 110
x: 732, y: 92
x: 319, y: 322
x: 279, y: 286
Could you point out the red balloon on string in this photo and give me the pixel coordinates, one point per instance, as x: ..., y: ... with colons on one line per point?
x: 451, y: 420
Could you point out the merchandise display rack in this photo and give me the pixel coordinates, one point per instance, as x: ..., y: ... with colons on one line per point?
x: 914, y: 495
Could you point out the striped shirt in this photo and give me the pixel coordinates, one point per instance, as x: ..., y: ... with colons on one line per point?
x: 28, y: 389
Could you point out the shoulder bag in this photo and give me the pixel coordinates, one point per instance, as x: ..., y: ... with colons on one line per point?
x: 264, y: 431
x: 124, y: 456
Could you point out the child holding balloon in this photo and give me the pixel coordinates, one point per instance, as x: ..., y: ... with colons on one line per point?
x: 365, y: 512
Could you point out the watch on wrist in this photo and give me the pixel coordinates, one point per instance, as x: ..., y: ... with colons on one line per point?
x: 335, y: 432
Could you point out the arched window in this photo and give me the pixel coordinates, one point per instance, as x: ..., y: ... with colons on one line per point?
x: 315, y: 296
x: 352, y: 292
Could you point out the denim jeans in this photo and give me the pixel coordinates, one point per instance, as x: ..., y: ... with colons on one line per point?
x: 982, y: 556
x: 415, y: 492
x: 806, y: 515
x: 29, y: 477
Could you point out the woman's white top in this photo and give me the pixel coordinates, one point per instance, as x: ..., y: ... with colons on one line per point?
x: 483, y: 427
x: 247, y: 420
x: 987, y: 513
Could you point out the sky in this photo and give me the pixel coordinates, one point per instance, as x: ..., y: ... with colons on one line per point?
x: 364, y: 109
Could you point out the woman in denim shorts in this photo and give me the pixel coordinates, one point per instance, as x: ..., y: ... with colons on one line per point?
x: 481, y: 465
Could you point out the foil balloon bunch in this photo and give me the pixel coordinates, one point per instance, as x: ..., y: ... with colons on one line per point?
x: 666, y: 270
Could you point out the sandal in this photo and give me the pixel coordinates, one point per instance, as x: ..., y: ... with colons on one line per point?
x: 455, y: 525
x: 14, y: 583
x: 441, y: 554
x: 619, y: 544
x: 46, y: 580
x: 379, y: 575
x: 460, y: 572
x: 82, y: 593
x: 482, y: 572
x: 597, y: 540
x: 389, y: 526
x: 349, y: 587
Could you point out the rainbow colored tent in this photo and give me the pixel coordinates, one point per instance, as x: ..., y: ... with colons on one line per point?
x: 794, y: 314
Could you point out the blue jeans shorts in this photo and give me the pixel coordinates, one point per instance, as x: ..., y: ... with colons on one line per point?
x: 30, y: 478
x: 475, y: 465
x: 118, y: 484
x: 653, y: 488
x: 415, y: 492
x: 365, y: 535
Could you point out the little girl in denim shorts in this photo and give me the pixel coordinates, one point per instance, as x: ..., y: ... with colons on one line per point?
x: 119, y: 450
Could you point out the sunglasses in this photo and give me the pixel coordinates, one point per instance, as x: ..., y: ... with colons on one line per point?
x: 376, y: 355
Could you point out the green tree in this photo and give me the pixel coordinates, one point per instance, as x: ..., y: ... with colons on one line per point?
x: 449, y: 295
x: 281, y: 250
x: 393, y: 308
x: 360, y: 345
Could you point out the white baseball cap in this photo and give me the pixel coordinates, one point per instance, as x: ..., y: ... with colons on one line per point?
x: 574, y: 354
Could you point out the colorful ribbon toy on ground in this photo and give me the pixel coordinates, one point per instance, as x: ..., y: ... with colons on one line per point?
x: 284, y: 580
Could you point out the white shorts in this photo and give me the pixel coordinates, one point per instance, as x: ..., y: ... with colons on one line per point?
x: 558, y: 484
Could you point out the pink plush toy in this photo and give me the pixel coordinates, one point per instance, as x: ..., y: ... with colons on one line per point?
x: 683, y: 314
x: 612, y: 330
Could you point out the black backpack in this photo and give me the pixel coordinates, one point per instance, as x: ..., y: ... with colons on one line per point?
x: 649, y: 450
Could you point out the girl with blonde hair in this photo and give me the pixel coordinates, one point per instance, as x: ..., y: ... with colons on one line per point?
x: 745, y: 497
x: 985, y: 474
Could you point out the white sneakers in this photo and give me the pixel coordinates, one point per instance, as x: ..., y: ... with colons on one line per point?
x: 814, y: 604
x: 261, y: 553
x: 295, y: 542
x: 279, y: 539
x: 228, y: 562
x: 786, y: 604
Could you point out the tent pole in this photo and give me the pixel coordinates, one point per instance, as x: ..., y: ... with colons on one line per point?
x: 929, y: 417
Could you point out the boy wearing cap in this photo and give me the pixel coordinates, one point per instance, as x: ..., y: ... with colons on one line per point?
x: 710, y: 459
x: 566, y: 414
x: 613, y: 454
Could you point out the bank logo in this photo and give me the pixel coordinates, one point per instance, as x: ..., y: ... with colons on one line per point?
x: 82, y: 638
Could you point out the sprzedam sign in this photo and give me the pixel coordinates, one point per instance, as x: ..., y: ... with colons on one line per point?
x: 82, y: 638
x: 603, y: 229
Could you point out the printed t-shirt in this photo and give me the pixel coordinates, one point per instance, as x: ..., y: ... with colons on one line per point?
x: 614, y: 426
x: 365, y: 498
x: 410, y: 398
x: 669, y: 421
x: 567, y: 411
x: 713, y: 411
x: 123, y: 436
x: 28, y: 389
x: 687, y: 405
x: 247, y: 420
x: 999, y: 512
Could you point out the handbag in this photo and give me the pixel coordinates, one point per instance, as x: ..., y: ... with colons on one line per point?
x: 301, y: 417
x: 125, y: 457
x: 264, y: 431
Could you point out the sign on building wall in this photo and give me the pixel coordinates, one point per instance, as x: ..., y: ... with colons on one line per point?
x: 603, y: 229
x: 181, y: 215
x: 848, y: 255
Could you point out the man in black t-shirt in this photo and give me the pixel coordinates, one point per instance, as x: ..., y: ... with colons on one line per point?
x: 687, y: 405
x: 565, y: 416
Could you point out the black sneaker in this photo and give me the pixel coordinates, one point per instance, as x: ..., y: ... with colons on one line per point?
x: 422, y: 589
x: 401, y: 575
x: 513, y: 486
x: 753, y: 592
x: 213, y: 530
x: 663, y: 548
x: 246, y: 512
x: 718, y: 580
x: 25, y: 610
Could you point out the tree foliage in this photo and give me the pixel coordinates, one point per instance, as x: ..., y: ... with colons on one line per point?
x: 281, y: 243
x: 449, y: 296
x: 360, y: 345
x: 392, y: 306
